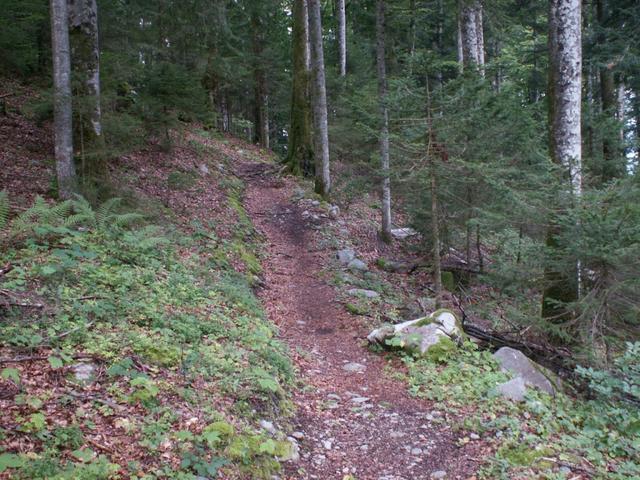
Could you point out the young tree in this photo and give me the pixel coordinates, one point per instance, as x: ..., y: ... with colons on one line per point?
x: 85, y: 54
x: 385, y: 232
x: 565, y: 96
x: 300, y: 150
x: 62, y: 98
x: 342, y: 36
x: 321, y: 128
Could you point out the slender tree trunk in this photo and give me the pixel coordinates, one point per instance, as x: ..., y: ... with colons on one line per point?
x: 480, y: 37
x: 460, y: 41
x: 432, y: 151
x: 300, y: 158
x: 565, y: 94
x: 342, y: 37
x: 384, y: 127
x: 321, y: 127
x: 62, y: 98
x: 85, y: 53
x: 469, y: 24
x: 261, y: 99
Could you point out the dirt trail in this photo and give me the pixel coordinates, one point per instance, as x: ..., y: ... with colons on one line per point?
x: 360, y: 423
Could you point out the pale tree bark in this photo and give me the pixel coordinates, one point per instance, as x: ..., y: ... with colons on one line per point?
x: 433, y: 150
x: 480, y: 37
x: 342, y: 36
x: 469, y: 33
x: 459, y: 43
x: 62, y: 98
x: 85, y: 54
x: 385, y: 232
x: 321, y: 127
x: 300, y: 158
x: 565, y: 95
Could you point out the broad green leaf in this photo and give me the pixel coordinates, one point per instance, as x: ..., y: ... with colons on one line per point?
x: 11, y: 374
x: 55, y: 362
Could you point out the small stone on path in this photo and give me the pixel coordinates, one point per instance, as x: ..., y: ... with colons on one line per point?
x: 353, y: 367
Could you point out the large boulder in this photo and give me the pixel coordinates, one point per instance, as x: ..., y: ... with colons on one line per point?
x: 422, y: 334
x: 519, y: 366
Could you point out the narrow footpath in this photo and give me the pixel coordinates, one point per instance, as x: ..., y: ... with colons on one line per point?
x: 353, y: 419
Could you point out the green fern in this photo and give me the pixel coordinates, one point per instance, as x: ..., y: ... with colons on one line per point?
x: 4, y: 209
x: 103, y: 217
x: 41, y: 216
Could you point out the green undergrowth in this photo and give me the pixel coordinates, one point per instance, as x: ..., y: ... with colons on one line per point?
x: 544, y: 437
x: 185, y: 362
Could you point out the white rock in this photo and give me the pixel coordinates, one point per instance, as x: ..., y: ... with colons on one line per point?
x: 361, y: 292
x: 402, y: 233
x: 354, y: 367
x: 346, y: 255
x: 268, y: 426
x: 438, y: 474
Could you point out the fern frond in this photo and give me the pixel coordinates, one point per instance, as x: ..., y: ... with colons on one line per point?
x: 84, y: 213
x: 125, y: 219
x: 4, y: 208
x: 105, y: 210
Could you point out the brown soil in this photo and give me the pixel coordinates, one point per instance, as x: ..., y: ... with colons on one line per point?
x: 364, y: 423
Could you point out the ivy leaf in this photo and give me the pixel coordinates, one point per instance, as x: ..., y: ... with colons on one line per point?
x: 11, y: 374
x: 55, y: 362
x: 83, y: 455
x: 10, y: 460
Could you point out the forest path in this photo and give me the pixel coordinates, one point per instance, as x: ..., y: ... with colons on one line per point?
x: 361, y: 422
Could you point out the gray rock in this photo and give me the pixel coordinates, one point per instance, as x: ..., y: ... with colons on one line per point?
x: 361, y: 292
x: 315, y: 203
x: 268, y: 426
x: 204, y: 170
x: 515, y: 362
x: 293, y: 455
x: 438, y: 474
x: 360, y: 400
x: 353, y: 367
x: 298, y: 435
x: 345, y: 256
x: 327, y: 444
x: 474, y: 436
x: 416, y: 451
x: 421, y: 339
x: 402, y: 233
x: 334, y: 211
x: 418, y: 336
x: 357, y: 264
x: 84, y: 371
x: 515, y: 389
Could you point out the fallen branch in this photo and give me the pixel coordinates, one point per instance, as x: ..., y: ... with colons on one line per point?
x: 6, y: 269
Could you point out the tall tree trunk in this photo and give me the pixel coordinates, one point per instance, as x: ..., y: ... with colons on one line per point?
x: 300, y: 158
x: 613, y: 162
x: 342, y: 37
x: 384, y: 127
x: 565, y: 92
x: 62, y: 98
x: 460, y: 40
x: 261, y: 99
x: 85, y: 53
x: 321, y: 127
x: 432, y: 150
x: 469, y: 33
x: 480, y: 37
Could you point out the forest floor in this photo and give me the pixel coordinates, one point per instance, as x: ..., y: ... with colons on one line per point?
x: 353, y: 417
x: 235, y: 228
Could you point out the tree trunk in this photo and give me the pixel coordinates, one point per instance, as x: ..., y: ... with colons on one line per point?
x: 342, y: 37
x: 480, y: 37
x: 62, y: 98
x: 261, y: 99
x: 459, y: 43
x: 85, y: 53
x: 469, y: 24
x: 321, y: 128
x: 300, y: 158
x: 384, y: 127
x: 565, y: 58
